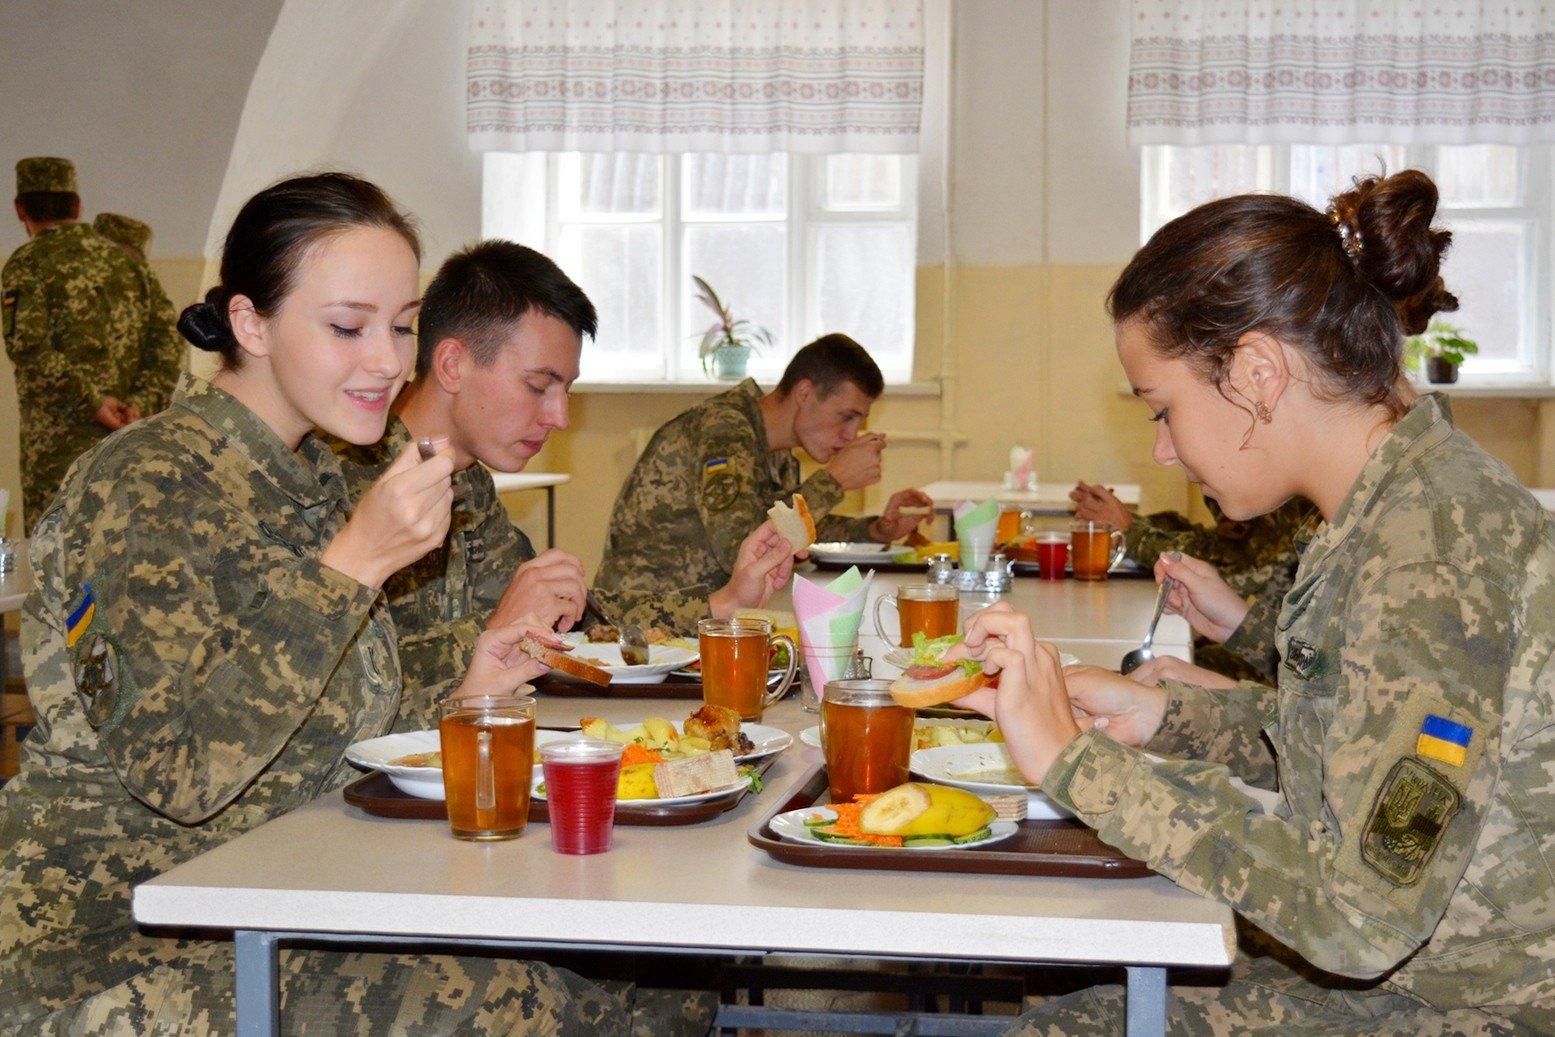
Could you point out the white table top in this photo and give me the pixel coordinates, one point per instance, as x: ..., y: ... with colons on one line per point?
x: 15, y: 585
x: 1050, y: 496
x: 1097, y: 621
x: 506, y: 481
x: 330, y: 868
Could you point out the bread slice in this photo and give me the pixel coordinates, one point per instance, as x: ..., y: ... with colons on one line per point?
x: 558, y: 660
x: 794, y: 524
x: 691, y: 775
x: 922, y: 692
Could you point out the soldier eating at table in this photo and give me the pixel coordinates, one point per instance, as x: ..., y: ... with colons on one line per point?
x: 709, y: 475
x: 499, y: 339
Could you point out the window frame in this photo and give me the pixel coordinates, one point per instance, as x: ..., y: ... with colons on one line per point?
x: 1535, y: 209
x: 543, y: 179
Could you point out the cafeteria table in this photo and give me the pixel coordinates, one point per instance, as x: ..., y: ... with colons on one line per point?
x: 1049, y: 498
x: 328, y: 872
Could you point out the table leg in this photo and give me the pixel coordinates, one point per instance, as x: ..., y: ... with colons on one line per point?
x: 1146, y: 1001
x: 258, y: 985
x: 550, y: 517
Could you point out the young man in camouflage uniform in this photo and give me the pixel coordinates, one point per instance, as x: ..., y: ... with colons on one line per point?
x: 500, y: 332
x: 709, y: 475
x: 91, y: 340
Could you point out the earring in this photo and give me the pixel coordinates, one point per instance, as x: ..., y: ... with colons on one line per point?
x: 1263, y: 413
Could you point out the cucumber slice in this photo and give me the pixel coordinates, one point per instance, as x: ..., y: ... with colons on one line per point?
x: 928, y: 840
x: 985, y: 832
x: 828, y: 836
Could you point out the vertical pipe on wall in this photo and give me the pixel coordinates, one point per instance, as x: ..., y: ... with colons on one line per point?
x: 948, y: 437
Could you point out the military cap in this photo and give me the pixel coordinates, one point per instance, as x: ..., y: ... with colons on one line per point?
x: 123, y: 230
x: 45, y: 174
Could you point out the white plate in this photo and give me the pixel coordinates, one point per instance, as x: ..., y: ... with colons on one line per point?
x: 538, y: 793
x: 951, y: 765
x: 791, y: 826
x: 840, y: 551
x: 662, y: 658
x: 766, y: 741
x: 811, y: 736
x: 901, y: 658
x: 423, y: 782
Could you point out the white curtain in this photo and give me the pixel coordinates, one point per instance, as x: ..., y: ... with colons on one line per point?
x: 1342, y: 71
x: 807, y: 76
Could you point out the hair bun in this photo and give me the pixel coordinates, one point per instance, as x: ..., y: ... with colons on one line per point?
x: 1384, y: 225
x: 205, y: 323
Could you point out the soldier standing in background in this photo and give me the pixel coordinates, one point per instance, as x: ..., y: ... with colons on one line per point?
x: 162, y: 353
x: 77, y: 312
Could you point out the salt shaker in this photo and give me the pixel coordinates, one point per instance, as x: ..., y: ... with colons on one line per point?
x: 7, y: 555
x: 860, y: 668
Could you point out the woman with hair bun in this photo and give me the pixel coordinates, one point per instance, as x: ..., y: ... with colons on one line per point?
x: 1404, y: 882
x: 208, y: 635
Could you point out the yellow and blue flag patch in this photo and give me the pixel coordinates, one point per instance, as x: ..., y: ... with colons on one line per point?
x: 714, y: 466
x: 80, y: 617
x: 1444, y: 740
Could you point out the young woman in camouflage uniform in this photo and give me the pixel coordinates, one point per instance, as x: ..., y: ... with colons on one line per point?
x: 1405, y: 882
x: 208, y: 636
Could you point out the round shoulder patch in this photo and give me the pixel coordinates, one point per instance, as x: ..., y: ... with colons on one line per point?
x: 720, y: 491
x: 96, y: 671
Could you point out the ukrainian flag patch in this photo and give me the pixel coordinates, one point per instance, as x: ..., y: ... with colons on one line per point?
x: 80, y: 617
x: 1444, y: 740
x: 713, y: 467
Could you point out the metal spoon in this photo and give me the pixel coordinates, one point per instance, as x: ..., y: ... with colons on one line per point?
x: 1141, y: 655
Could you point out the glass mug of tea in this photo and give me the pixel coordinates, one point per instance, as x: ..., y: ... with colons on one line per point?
x: 930, y: 609
x: 1094, y: 547
x: 734, y: 664
x: 488, y: 746
x: 866, y: 738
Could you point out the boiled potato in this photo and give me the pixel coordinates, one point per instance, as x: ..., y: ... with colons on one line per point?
x: 637, y: 782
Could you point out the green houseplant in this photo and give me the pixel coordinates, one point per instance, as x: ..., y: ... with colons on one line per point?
x: 727, y: 343
x: 1438, y: 351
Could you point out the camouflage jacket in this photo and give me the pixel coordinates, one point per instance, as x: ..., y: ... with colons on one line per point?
x: 1248, y: 554
x: 1420, y: 620
x: 704, y: 482
x: 196, y: 670
x: 1254, y: 641
x: 442, y: 602
x: 82, y: 320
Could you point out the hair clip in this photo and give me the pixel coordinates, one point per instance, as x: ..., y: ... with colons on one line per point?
x: 1349, y: 237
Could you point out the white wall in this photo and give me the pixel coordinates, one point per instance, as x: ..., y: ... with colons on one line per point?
x: 143, y: 95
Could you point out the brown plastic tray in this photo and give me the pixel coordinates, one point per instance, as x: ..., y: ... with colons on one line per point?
x: 1063, y: 848
x: 672, y: 687
x: 375, y: 794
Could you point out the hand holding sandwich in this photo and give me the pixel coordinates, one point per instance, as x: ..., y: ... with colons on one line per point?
x: 506, y: 658
x: 763, y: 565
x: 903, y: 512
x: 1031, y: 704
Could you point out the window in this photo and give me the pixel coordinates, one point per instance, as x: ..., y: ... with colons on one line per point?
x: 1496, y: 200
x: 804, y: 245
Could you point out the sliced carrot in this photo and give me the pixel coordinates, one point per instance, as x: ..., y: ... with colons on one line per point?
x: 638, y: 754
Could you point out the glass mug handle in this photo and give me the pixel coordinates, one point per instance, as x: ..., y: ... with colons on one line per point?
x: 778, y: 692
x: 1118, y: 549
x: 880, y: 624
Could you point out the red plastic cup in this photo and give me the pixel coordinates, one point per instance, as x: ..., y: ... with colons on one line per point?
x: 1052, y: 556
x: 580, y: 793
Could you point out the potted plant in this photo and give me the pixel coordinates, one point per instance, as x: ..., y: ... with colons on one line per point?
x: 1439, y: 351
x: 728, y: 341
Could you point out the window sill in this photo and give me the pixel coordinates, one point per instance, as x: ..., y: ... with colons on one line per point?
x: 1490, y: 390
x: 708, y: 388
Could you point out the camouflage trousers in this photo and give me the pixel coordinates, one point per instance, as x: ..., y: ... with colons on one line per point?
x: 327, y: 992
x: 1264, y: 996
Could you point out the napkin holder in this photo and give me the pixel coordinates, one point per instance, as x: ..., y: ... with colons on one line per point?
x: 996, y: 579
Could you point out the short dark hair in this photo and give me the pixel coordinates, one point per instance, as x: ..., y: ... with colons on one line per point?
x: 50, y: 206
x: 269, y: 239
x: 481, y: 291
x: 828, y: 362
